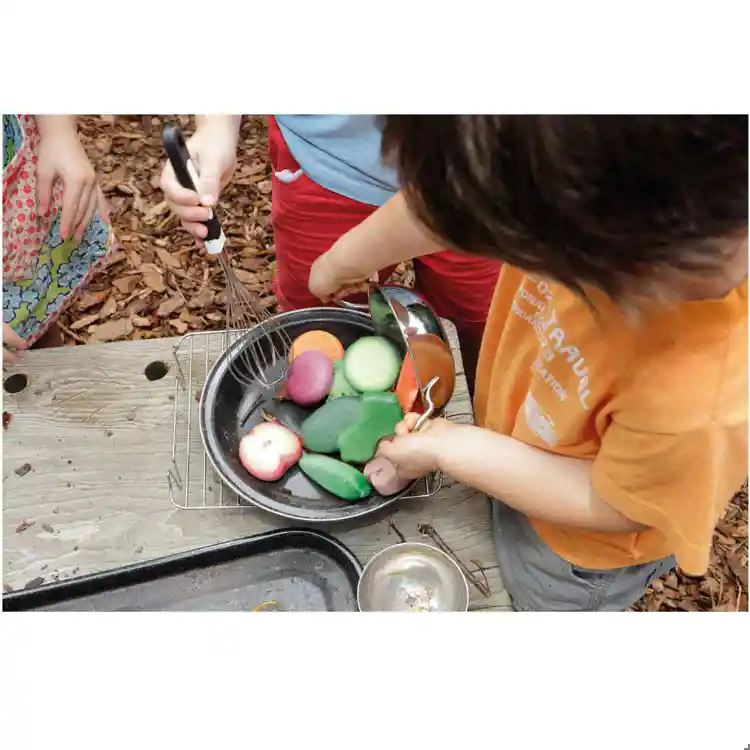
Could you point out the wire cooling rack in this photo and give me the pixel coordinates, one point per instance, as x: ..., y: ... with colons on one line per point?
x: 193, y: 482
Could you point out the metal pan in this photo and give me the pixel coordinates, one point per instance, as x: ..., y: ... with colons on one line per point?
x: 229, y: 409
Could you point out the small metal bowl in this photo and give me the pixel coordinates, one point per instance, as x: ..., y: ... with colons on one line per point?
x: 412, y: 577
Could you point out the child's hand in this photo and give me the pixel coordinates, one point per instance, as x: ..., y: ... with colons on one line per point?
x: 388, y: 236
x: 331, y: 280
x: 213, y: 149
x: 11, y: 338
x: 61, y: 155
x: 416, y: 454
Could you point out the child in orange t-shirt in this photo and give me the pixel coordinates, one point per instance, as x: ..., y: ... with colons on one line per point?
x: 611, y: 396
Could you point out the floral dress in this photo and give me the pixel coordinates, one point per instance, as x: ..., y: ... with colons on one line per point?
x: 41, y: 272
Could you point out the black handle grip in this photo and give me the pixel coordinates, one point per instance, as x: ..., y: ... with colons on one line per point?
x: 184, y: 169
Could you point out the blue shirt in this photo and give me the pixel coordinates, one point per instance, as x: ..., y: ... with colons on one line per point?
x: 342, y: 154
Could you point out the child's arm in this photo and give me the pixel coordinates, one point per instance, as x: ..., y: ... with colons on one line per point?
x: 387, y: 237
x: 55, y: 125
x: 228, y: 123
x: 541, y: 485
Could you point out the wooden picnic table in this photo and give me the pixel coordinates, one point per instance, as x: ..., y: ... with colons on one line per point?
x: 89, y: 446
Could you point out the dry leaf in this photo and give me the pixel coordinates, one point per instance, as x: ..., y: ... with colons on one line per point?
x: 137, y: 306
x: 203, y: 299
x: 141, y: 322
x: 246, y: 277
x: 77, y: 325
x: 109, y: 308
x: 215, y: 317
x: 734, y: 560
x: 153, y: 278
x: 179, y: 326
x: 89, y: 299
x: 169, y: 306
x: 104, y: 146
x: 253, y: 264
x: 112, y: 330
x: 116, y: 257
x: 125, y: 284
x: 117, y: 175
x: 117, y: 202
x: 158, y: 210
x: 140, y: 204
x: 167, y: 258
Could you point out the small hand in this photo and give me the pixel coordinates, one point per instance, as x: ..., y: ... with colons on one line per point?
x: 61, y: 156
x: 330, y: 281
x: 213, y: 150
x: 416, y: 454
x: 11, y: 338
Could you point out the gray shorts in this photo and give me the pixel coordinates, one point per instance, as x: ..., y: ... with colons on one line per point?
x: 538, y: 580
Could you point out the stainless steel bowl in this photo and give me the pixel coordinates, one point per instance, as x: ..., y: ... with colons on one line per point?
x: 412, y: 577
x: 407, y: 319
x: 398, y: 313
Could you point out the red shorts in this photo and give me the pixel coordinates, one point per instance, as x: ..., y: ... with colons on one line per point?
x: 308, y: 219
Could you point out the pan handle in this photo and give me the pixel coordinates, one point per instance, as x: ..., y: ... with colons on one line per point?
x: 352, y: 305
x: 187, y: 176
x: 430, y: 405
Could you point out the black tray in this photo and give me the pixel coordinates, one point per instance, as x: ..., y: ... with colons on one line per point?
x: 293, y: 570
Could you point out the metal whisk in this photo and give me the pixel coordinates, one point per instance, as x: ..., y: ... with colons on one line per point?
x: 253, y: 359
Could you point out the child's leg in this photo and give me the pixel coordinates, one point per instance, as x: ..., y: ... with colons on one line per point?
x: 538, y: 580
x: 460, y: 288
x: 307, y: 220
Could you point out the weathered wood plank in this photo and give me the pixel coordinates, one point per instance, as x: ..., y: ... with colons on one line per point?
x: 98, y: 436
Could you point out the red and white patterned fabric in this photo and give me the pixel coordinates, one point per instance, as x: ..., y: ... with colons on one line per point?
x: 24, y: 228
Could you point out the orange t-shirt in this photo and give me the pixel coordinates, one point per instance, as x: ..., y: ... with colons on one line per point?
x: 659, y: 408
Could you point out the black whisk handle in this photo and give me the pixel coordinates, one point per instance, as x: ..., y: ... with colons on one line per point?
x: 187, y: 176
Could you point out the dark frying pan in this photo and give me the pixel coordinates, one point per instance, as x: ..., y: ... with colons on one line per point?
x: 229, y: 409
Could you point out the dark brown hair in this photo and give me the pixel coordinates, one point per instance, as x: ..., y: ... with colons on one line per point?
x: 586, y: 200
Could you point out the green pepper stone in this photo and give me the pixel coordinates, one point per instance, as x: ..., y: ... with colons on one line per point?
x: 321, y: 430
x: 379, y: 414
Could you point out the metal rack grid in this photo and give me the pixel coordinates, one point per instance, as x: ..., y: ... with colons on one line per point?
x: 193, y: 482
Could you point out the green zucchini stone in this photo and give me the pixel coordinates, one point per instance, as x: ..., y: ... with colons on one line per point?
x: 338, y: 478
